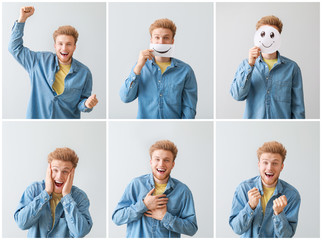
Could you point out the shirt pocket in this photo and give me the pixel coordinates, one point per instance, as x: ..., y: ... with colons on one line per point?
x: 282, y: 90
x: 174, y: 93
x: 71, y: 95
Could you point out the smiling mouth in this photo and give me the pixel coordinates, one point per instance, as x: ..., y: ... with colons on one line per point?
x: 162, y: 52
x: 269, y: 175
x: 64, y: 54
x: 161, y: 170
x: 58, y: 184
x: 268, y: 46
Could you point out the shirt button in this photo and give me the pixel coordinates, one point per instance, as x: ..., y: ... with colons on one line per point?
x: 268, y: 91
x: 160, y: 95
x: 46, y: 199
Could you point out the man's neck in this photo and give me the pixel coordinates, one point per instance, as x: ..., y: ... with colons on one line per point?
x: 164, y: 181
x: 269, y: 56
x: 269, y: 186
x: 162, y: 59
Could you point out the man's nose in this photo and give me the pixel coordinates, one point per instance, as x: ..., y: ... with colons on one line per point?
x: 162, y: 41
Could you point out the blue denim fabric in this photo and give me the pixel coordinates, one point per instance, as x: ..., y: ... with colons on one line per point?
x: 180, y: 216
x: 44, y: 103
x: 72, y: 218
x: 253, y: 223
x: 171, y: 95
x: 275, y: 94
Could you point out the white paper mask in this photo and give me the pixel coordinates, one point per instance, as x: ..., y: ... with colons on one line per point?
x: 268, y: 39
x: 162, y: 50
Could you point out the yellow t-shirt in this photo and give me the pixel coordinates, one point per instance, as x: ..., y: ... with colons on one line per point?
x: 270, y: 62
x: 59, y: 83
x: 55, y: 199
x: 163, y: 65
x: 268, y: 192
x: 159, y: 189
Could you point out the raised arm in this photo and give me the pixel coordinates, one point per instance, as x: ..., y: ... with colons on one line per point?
x: 30, y: 206
x: 76, y: 205
x: 241, y: 84
x: 23, y: 55
x: 243, y: 209
x: 285, y: 216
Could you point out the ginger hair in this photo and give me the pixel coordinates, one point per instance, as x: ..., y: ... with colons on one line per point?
x: 163, y: 23
x: 64, y: 154
x: 270, y: 20
x: 66, y: 30
x: 164, y: 145
x: 272, y: 147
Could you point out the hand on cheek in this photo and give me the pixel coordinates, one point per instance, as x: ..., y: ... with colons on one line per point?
x: 69, y: 183
x: 49, y: 184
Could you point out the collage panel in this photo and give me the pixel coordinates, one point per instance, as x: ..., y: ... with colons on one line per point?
x: 271, y: 176
x: 43, y: 162
x: 257, y: 78
x: 176, y: 89
x: 138, y: 163
x: 54, y: 60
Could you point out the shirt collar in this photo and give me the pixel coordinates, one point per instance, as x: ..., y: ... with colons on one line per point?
x: 174, y: 62
x: 170, y: 182
x: 73, y: 67
x: 280, y: 58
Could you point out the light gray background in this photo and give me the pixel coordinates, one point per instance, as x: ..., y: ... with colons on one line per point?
x: 26, y: 146
x: 129, y: 34
x: 129, y: 144
x: 237, y: 143
x: 90, y: 21
x: 236, y: 26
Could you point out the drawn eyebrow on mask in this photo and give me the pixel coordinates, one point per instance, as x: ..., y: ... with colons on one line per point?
x: 162, y: 52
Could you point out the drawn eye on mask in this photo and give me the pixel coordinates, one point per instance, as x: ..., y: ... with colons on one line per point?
x: 162, y: 50
x: 268, y: 39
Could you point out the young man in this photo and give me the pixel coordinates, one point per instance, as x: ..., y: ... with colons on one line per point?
x: 54, y: 208
x: 266, y: 206
x: 156, y: 205
x: 271, y: 83
x: 61, y: 86
x: 166, y: 87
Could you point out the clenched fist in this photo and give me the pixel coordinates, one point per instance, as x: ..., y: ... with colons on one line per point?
x: 25, y: 12
x: 91, y: 101
x: 279, y: 204
x: 253, y: 197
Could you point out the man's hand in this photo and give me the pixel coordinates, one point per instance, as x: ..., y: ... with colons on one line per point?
x: 25, y: 12
x: 157, y: 213
x: 143, y: 57
x: 69, y: 183
x: 49, y: 183
x: 253, y: 53
x: 279, y: 204
x: 253, y: 197
x: 91, y: 101
x: 155, y: 202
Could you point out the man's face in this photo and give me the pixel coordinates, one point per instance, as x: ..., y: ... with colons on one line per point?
x: 161, y: 164
x: 65, y: 47
x: 59, y: 173
x: 162, y: 36
x: 270, y: 166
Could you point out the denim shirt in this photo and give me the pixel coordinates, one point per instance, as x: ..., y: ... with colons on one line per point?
x: 253, y: 223
x: 171, y: 95
x: 275, y: 94
x: 44, y: 103
x: 179, y: 218
x: 72, y: 218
